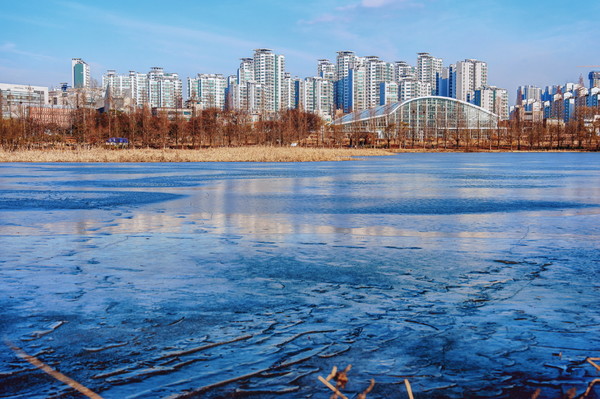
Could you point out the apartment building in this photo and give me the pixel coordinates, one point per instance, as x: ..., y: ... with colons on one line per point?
x: 269, y: 72
x: 471, y: 74
x: 80, y: 74
x: 428, y: 69
x: 207, y: 90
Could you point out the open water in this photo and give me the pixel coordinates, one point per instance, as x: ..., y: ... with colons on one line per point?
x: 472, y: 275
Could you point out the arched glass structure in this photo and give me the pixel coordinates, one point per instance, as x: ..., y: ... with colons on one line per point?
x: 422, y: 118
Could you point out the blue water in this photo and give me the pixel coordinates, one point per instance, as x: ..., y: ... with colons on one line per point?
x: 472, y: 275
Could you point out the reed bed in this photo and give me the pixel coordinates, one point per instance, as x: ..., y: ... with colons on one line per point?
x: 221, y: 154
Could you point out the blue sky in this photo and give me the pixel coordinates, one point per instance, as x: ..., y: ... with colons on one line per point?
x: 524, y: 42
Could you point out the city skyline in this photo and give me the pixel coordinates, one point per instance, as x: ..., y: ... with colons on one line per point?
x: 521, y: 43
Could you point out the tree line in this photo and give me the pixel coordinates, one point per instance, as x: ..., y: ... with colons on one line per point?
x: 147, y: 129
x: 214, y: 128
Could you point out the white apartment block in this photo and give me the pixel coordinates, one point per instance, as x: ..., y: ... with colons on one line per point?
x: 269, y: 71
x: 262, y: 85
x: 155, y: 89
x: 236, y: 97
x: 326, y: 70
x: 247, y: 97
x: 388, y: 93
x: 165, y: 90
x: 255, y: 97
x: 316, y: 96
x: 246, y: 71
x: 117, y: 85
x: 528, y: 94
x: 344, y: 60
x: 358, y: 81
x: 134, y: 85
x: 207, y: 90
x: 288, y: 92
x: 242, y: 92
x: 402, y: 71
x: 377, y: 72
x: 470, y: 75
x: 413, y: 88
x: 428, y: 69
x: 343, y: 87
x: 140, y: 88
x: 352, y: 91
x: 493, y: 99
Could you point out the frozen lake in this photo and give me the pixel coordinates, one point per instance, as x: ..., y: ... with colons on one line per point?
x: 472, y: 275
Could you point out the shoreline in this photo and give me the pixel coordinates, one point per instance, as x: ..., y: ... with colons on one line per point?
x: 220, y: 154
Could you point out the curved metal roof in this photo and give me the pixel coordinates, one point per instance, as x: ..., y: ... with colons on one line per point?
x: 388, y: 109
x: 367, y: 114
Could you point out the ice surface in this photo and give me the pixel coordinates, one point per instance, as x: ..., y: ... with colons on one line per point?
x: 51, y: 199
x: 472, y: 275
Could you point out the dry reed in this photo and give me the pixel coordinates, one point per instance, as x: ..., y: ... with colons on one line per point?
x: 53, y: 373
x: 221, y: 154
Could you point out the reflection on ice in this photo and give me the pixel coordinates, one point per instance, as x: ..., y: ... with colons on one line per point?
x: 50, y: 200
x: 266, y: 276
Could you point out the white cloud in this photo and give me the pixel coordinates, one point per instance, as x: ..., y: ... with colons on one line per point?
x: 40, y: 22
x: 11, y: 48
x: 8, y: 47
x: 375, y: 3
x: 319, y: 19
x: 161, y: 30
x: 367, y: 4
x: 348, y: 7
x: 350, y: 12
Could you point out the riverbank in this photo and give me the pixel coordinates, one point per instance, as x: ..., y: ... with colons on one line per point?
x: 221, y: 154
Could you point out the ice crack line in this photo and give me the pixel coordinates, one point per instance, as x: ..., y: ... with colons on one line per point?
x: 519, y: 241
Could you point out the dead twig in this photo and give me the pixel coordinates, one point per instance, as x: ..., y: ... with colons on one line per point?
x: 408, y: 389
x: 341, y: 377
x: 590, y: 360
x: 363, y: 395
x: 334, y: 389
x: 53, y: 373
x: 332, y: 374
x: 590, y: 386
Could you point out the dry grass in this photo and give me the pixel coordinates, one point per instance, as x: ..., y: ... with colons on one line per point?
x: 225, y: 154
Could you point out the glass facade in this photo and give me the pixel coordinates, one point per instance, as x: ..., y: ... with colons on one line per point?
x: 78, y: 76
x: 80, y: 73
x: 424, y: 117
x: 15, y: 99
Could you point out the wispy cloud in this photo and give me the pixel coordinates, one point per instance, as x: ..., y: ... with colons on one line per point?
x: 11, y: 48
x: 382, y: 4
x: 350, y: 12
x: 321, y: 18
x: 39, y: 22
x: 376, y: 3
x: 325, y: 19
x: 136, y: 26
